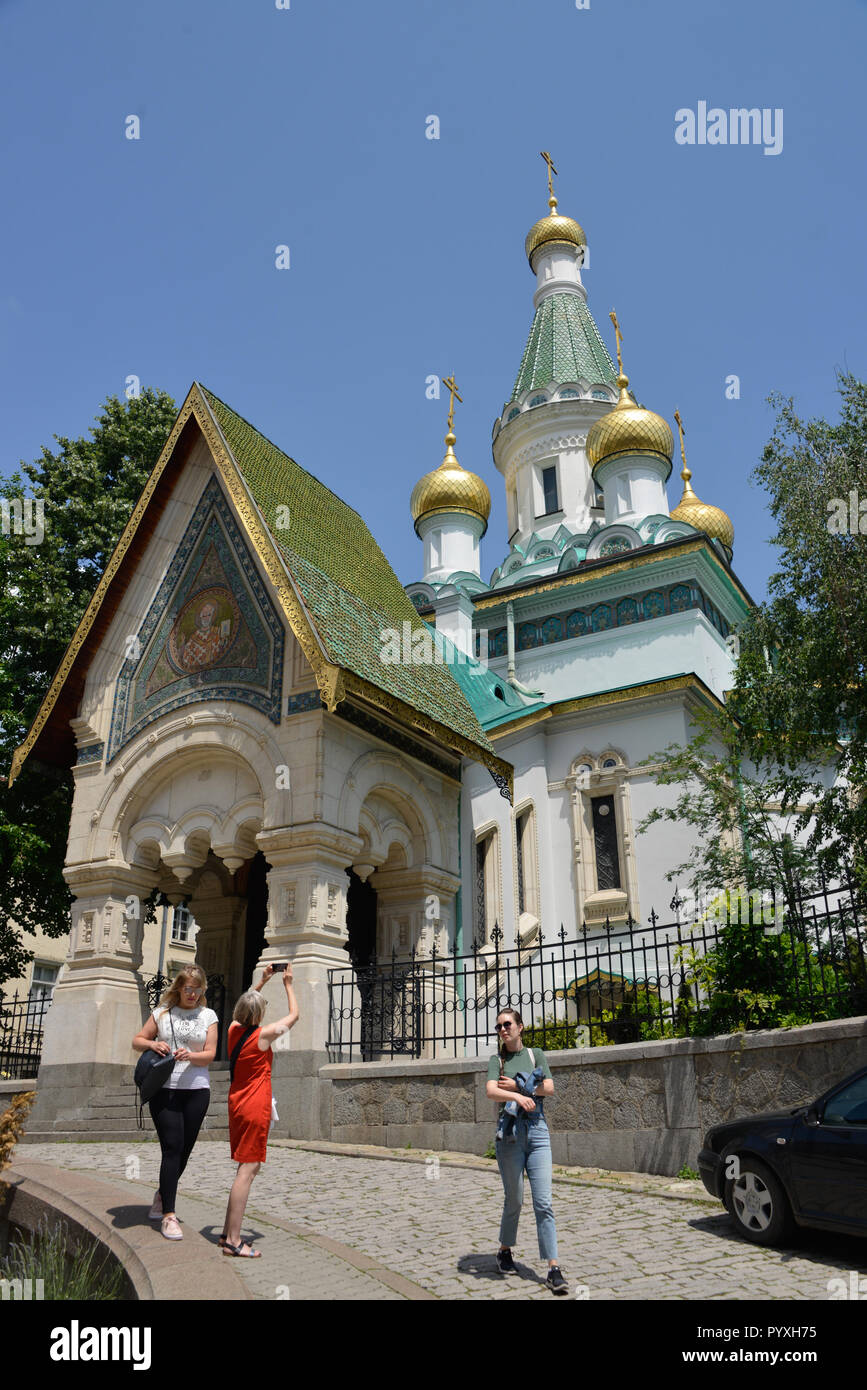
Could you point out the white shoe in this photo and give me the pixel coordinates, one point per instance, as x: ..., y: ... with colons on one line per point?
x: 170, y: 1228
x: 156, y: 1211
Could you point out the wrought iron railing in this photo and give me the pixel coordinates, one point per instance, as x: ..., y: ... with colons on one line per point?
x: 21, y: 1028
x: 762, y: 962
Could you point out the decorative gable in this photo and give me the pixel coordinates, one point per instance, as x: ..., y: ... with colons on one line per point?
x: 211, y: 632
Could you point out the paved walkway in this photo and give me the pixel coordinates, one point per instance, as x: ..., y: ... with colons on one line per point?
x: 333, y: 1225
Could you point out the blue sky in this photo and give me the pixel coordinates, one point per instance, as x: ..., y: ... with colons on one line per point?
x: 306, y: 127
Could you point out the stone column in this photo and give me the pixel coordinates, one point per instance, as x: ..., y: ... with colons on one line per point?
x: 307, y: 887
x: 415, y: 906
x: 99, y: 1002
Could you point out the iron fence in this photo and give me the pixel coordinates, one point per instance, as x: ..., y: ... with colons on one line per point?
x: 21, y: 1027
x: 763, y: 961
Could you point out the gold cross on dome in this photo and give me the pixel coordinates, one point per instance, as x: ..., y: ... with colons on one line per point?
x: 452, y: 387
x: 619, y: 339
x: 681, y: 431
x: 551, y: 170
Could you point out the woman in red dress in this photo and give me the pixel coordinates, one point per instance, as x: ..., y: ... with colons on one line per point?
x: 250, y: 1099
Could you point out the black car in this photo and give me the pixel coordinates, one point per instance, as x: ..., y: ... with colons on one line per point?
x: 804, y: 1167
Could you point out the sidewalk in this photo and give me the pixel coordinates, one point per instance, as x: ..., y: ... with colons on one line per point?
x: 115, y: 1212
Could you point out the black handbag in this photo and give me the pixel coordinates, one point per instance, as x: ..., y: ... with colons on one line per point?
x: 151, y: 1073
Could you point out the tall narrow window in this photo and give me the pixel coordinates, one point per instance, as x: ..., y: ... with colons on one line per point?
x: 605, y: 839
x: 487, y: 896
x: 549, y: 488
x: 181, y: 924
x: 42, y: 983
x: 521, y: 837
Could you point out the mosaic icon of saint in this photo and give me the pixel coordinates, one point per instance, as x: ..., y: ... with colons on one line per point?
x: 206, y: 642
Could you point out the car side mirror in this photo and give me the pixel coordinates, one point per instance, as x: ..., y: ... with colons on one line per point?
x: 813, y: 1115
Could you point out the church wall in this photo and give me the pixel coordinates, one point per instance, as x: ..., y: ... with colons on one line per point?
x: 679, y: 643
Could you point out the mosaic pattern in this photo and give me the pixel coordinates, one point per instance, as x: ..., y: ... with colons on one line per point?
x: 91, y: 754
x: 211, y: 633
x: 614, y: 546
x: 643, y: 608
x: 307, y: 700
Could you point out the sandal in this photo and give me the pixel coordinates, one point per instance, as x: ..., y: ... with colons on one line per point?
x: 238, y: 1250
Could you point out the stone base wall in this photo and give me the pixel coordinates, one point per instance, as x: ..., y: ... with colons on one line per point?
x: 638, y: 1107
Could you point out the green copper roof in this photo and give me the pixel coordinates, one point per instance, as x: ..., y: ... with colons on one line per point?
x: 564, y: 345
x: 481, y: 685
x: 350, y: 590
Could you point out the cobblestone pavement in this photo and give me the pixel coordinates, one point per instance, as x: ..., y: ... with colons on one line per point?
x: 436, y: 1226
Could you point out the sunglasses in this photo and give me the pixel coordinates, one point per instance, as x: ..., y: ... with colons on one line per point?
x: 500, y: 1026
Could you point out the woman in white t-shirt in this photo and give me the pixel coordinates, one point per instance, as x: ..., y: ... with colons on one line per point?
x: 182, y: 1025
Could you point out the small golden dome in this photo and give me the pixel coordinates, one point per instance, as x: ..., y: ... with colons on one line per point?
x: 553, y: 228
x: 712, y: 520
x: 628, y: 429
x: 450, y: 488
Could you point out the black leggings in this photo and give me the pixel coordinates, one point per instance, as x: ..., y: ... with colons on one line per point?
x: 178, y: 1117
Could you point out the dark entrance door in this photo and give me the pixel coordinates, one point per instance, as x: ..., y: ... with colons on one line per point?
x: 361, y: 947
x: 361, y: 922
x: 256, y: 891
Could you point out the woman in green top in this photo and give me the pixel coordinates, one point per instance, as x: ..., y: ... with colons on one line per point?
x: 529, y: 1150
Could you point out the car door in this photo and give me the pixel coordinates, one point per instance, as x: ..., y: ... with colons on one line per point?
x: 828, y: 1160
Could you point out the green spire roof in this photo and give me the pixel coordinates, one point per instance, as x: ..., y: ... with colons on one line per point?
x: 349, y: 589
x: 564, y: 344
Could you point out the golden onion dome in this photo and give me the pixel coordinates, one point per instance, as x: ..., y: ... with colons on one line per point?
x: 628, y: 429
x: 712, y: 520
x: 450, y: 488
x: 553, y: 228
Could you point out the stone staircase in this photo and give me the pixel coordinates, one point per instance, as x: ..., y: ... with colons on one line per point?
x: 112, y: 1115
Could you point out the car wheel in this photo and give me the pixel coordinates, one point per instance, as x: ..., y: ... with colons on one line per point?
x: 758, y: 1203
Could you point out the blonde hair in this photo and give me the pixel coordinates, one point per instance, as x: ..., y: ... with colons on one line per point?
x: 250, y: 1009
x: 171, y: 999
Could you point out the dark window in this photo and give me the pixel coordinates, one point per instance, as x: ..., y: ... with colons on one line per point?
x: 481, y: 905
x: 605, y: 838
x: 520, y: 833
x: 549, y: 485
x: 181, y: 924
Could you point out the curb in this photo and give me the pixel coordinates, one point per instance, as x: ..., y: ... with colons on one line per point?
x: 644, y: 1184
x: 89, y: 1203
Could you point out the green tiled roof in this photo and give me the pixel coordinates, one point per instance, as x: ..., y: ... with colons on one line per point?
x: 347, y: 584
x: 480, y: 685
x: 564, y: 345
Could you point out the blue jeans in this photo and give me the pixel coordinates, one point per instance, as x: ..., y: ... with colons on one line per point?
x: 531, y: 1150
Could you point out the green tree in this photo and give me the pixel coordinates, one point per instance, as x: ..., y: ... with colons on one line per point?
x: 88, y: 488
x: 800, y: 693
x: 741, y: 811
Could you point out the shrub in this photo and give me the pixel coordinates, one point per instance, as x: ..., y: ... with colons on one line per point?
x: 553, y: 1035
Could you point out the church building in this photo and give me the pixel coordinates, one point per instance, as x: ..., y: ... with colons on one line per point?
x: 325, y: 767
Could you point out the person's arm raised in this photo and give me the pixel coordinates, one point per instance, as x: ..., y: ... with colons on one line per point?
x: 272, y: 1031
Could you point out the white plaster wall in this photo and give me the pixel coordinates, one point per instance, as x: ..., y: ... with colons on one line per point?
x: 679, y: 643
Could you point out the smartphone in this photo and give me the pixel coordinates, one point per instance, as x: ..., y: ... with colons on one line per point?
x: 278, y: 966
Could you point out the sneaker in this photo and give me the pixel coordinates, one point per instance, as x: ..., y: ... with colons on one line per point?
x: 170, y: 1228
x: 156, y: 1211
x: 555, y: 1281
x: 505, y: 1263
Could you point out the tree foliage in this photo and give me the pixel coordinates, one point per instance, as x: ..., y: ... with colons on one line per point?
x: 89, y: 487
x: 800, y: 693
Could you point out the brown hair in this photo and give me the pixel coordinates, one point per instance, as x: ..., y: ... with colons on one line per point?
x: 171, y: 999
x: 501, y: 1046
